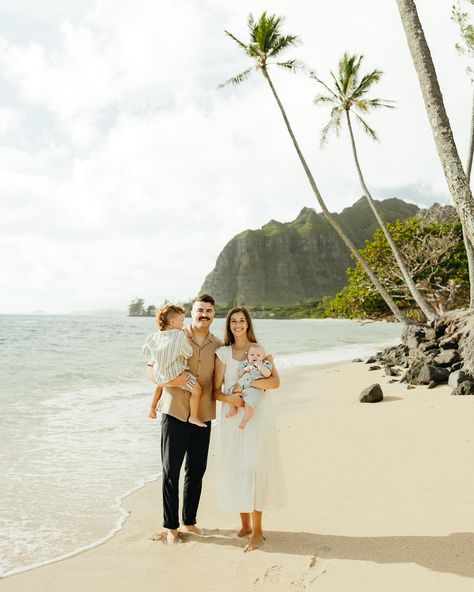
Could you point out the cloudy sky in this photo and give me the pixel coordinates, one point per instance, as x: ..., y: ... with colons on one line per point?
x: 124, y: 170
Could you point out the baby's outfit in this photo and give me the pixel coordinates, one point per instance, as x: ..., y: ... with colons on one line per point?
x: 251, y: 394
x: 169, y: 351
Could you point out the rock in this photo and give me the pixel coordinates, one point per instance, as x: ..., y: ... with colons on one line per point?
x: 430, y: 373
x: 371, y: 360
x: 447, y: 357
x: 394, y: 380
x: 375, y: 368
x: 453, y: 379
x: 448, y: 344
x: 391, y: 371
x: 430, y: 334
x: 456, y: 366
x: 357, y: 360
x: 440, y: 329
x: 423, y: 347
x: 371, y: 394
x: 464, y: 388
x: 421, y: 373
x: 432, y: 384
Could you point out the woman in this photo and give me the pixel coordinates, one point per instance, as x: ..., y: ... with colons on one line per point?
x: 251, y: 474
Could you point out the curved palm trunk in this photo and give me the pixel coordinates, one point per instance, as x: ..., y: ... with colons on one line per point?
x: 438, y: 118
x: 467, y: 242
x: 347, y: 241
x: 427, y: 309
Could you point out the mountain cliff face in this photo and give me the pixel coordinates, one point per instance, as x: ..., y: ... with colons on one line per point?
x: 284, y: 263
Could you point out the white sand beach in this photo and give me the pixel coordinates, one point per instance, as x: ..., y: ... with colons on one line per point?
x: 380, y: 498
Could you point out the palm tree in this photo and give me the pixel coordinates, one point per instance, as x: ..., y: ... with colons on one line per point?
x: 347, y: 96
x: 265, y: 46
x: 437, y: 116
x: 466, y: 47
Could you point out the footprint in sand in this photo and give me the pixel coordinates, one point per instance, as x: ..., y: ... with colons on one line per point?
x: 271, y: 576
x: 317, y: 566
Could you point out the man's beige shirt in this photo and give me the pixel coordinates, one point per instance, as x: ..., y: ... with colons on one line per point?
x: 175, y: 401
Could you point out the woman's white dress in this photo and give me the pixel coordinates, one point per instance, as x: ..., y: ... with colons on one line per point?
x: 251, y: 474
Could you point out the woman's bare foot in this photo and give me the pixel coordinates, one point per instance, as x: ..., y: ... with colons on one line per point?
x: 244, y: 531
x: 196, y: 421
x: 172, y: 536
x: 255, y: 542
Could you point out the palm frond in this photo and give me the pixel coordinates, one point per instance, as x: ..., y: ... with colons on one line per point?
x: 367, y: 81
x: 367, y: 129
x: 234, y: 38
x: 235, y: 80
x: 283, y: 43
x: 324, y: 99
x: 292, y: 65
x: 333, y: 125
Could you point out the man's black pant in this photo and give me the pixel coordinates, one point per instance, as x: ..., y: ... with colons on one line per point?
x: 180, y: 439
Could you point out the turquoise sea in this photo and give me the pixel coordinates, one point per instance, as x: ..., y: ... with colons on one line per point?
x: 76, y: 438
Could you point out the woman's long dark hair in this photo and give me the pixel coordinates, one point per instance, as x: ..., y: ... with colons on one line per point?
x: 229, y: 338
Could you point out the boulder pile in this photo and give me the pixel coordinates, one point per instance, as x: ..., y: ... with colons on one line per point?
x: 437, y: 353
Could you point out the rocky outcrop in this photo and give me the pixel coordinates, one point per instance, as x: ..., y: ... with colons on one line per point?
x: 285, y: 263
x: 438, y: 353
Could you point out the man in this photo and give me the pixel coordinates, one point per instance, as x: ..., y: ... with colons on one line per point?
x: 179, y: 438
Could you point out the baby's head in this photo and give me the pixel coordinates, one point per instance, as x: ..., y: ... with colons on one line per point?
x: 255, y: 353
x: 170, y: 316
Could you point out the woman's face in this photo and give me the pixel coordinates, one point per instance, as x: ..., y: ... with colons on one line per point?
x: 238, y: 324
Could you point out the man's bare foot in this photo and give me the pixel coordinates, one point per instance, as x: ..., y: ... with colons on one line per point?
x: 196, y: 421
x: 255, y: 542
x: 172, y: 536
x: 193, y: 529
x: 244, y: 531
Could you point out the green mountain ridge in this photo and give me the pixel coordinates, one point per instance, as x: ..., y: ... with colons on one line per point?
x: 284, y: 263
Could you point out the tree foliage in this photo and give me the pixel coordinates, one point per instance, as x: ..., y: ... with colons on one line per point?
x: 434, y: 252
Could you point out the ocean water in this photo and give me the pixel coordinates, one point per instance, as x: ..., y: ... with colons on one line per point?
x: 73, y: 416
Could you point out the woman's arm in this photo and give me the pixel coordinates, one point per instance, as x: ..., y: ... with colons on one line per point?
x: 272, y: 382
x: 219, y: 371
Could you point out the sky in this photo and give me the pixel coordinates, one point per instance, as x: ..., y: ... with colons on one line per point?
x: 125, y: 170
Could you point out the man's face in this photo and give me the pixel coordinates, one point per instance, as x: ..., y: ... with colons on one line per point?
x: 202, y: 314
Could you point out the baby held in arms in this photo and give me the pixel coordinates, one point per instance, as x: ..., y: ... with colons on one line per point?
x: 170, y: 349
x: 252, y: 368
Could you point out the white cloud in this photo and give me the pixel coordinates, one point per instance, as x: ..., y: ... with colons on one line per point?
x: 125, y: 171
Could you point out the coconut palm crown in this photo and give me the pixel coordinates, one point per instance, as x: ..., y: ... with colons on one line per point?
x: 349, y: 93
x: 266, y: 44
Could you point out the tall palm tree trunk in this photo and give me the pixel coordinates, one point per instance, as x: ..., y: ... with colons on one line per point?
x: 425, y: 306
x: 347, y: 241
x: 438, y: 118
x: 467, y: 242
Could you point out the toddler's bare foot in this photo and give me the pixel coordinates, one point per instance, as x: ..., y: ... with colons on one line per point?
x: 244, y: 531
x: 255, y: 542
x: 196, y: 421
x: 231, y: 413
x: 172, y: 537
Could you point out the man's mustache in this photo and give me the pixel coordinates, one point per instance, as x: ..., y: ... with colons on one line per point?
x: 204, y: 319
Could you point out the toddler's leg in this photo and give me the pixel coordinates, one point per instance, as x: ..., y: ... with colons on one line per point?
x: 248, y: 414
x: 194, y: 405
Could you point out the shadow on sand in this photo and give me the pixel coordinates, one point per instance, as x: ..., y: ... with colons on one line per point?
x: 451, y: 554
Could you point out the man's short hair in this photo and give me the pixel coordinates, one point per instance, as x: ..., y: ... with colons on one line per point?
x: 204, y: 298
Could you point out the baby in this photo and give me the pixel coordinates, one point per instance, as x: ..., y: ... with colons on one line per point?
x: 170, y: 350
x: 253, y: 367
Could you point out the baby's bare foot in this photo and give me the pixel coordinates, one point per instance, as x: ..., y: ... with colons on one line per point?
x: 196, y: 421
x: 243, y: 425
x: 255, y: 542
